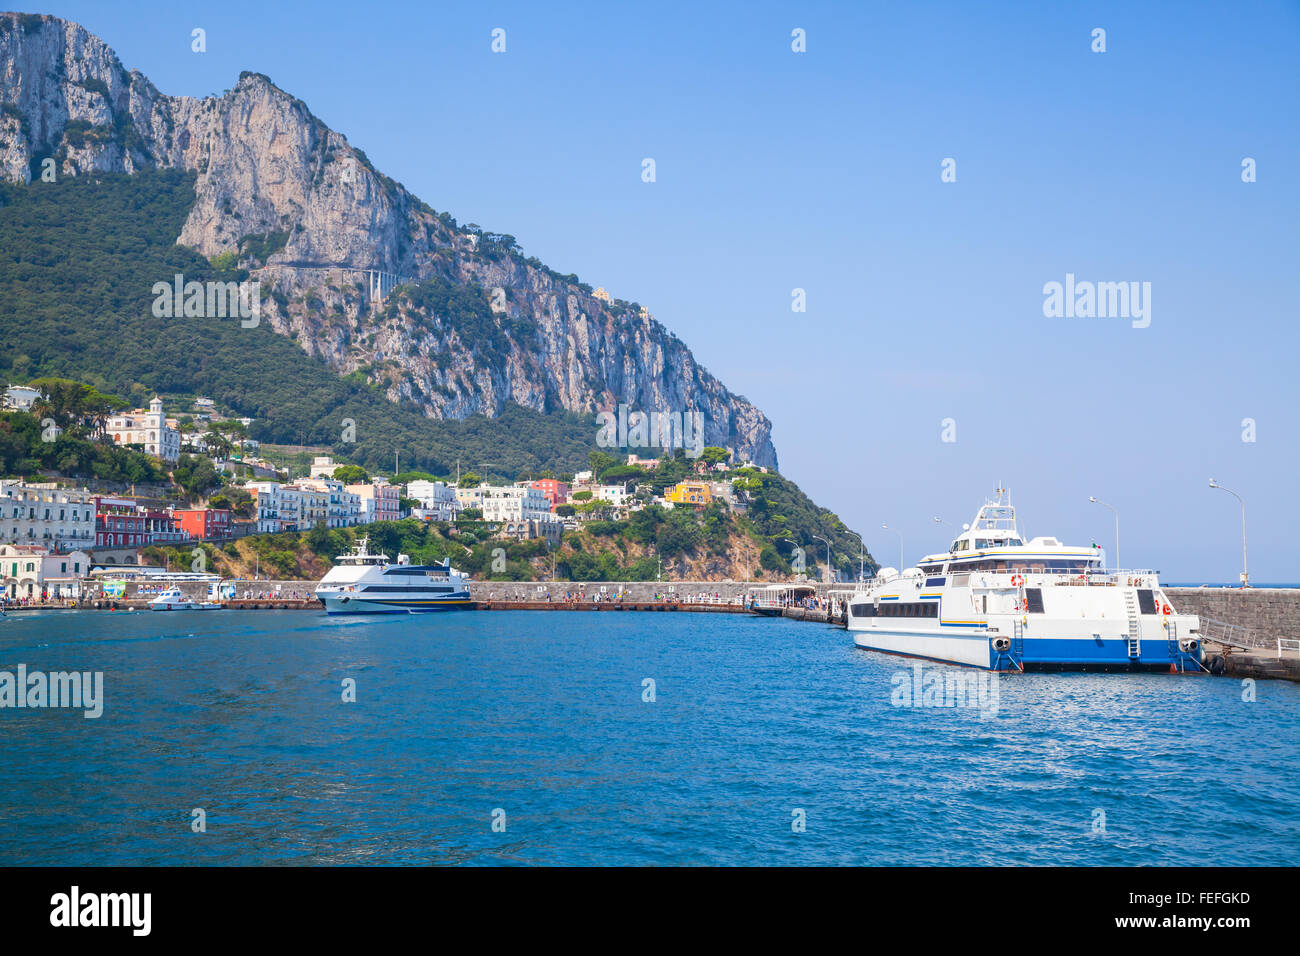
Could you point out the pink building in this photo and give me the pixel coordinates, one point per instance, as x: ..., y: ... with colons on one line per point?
x: 380, y: 501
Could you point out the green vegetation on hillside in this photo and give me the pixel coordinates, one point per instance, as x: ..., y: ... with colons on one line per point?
x: 24, y: 453
x: 78, y: 262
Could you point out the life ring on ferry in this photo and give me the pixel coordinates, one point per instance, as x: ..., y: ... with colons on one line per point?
x: 1166, y: 610
x: 1017, y: 580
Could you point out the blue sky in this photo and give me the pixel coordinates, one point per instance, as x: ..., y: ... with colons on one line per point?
x: 821, y: 171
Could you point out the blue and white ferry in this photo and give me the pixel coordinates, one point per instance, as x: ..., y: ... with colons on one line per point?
x: 998, y: 602
x: 365, y: 583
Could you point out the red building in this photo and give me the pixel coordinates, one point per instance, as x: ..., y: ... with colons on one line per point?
x: 205, y: 524
x: 122, y: 523
x: 556, y: 492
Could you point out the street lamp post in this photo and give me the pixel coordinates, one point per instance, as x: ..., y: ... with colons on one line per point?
x: 862, y: 553
x: 1097, y: 501
x: 1245, y: 571
x: 828, y: 557
x: 900, y: 544
x: 802, y: 573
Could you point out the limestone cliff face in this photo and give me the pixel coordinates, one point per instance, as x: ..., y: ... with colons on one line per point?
x: 471, y: 324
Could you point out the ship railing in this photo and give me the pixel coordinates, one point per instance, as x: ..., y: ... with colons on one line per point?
x: 1107, y: 578
x: 1231, y: 635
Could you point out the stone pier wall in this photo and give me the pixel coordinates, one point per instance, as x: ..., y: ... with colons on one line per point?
x: 1269, y: 613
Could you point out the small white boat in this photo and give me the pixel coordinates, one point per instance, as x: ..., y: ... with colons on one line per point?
x: 173, y: 599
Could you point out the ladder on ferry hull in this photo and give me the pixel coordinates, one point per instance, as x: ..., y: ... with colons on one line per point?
x: 1134, y: 625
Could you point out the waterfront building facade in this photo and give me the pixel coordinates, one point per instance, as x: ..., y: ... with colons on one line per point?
x: 45, y: 514
x: 35, y: 572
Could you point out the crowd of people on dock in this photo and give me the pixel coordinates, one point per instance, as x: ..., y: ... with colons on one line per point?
x: 583, y: 596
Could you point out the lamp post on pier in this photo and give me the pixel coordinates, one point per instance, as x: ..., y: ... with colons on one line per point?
x: 1245, y: 571
x: 862, y: 554
x: 829, y: 570
x: 1097, y: 501
x: 900, y: 544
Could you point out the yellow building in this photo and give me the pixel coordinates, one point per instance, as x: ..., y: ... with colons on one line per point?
x: 690, y: 493
x: 603, y: 295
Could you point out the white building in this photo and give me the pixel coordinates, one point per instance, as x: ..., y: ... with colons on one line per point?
x: 322, y: 466
x: 437, y: 499
x: 342, y: 507
x: 268, y: 502
x: 45, y: 514
x: 31, y: 571
x: 617, y: 495
x: 470, y: 497
x: 291, y: 508
x: 313, y: 505
x: 515, y: 503
x: 149, y: 429
x: 20, y: 397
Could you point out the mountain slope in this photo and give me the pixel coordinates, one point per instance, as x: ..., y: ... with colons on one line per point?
x: 77, y: 261
x: 310, y: 218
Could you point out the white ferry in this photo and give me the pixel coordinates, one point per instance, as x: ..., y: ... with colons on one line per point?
x: 998, y: 602
x: 364, y: 583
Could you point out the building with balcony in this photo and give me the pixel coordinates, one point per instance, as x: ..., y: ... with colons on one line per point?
x: 125, y: 523
x: 437, y: 500
x: 269, y: 516
x: 342, y: 507
x: 380, y: 501
x: 515, y: 503
x: 46, y: 515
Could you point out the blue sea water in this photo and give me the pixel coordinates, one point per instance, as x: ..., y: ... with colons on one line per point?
x: 541, y: 715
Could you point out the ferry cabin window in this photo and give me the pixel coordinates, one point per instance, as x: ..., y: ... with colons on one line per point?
x: 1034, y: 600
x: 405, y: 589
x: 908, y: 610
x: 864, y: 610
x: 1146, y: 602
x: 934, y: 582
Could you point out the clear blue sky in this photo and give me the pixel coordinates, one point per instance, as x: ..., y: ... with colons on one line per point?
x: 821, y: 171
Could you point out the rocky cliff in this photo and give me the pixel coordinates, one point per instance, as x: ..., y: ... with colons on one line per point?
x: 357, y: 270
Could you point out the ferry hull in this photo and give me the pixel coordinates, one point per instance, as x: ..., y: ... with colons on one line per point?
x: 1084, y: 653
x: 355, y: 605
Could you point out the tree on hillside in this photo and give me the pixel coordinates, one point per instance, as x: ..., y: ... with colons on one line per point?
x: 350, y: 474
x: 713, y: 455
x: 600, y: 461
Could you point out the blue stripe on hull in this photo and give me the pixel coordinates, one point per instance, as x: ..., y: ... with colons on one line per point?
x: 401, y: 607
x: 1090, y: 651
x: 1083, y: 653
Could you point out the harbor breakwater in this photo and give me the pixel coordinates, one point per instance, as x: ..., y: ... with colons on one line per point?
x: 1257, y: 618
